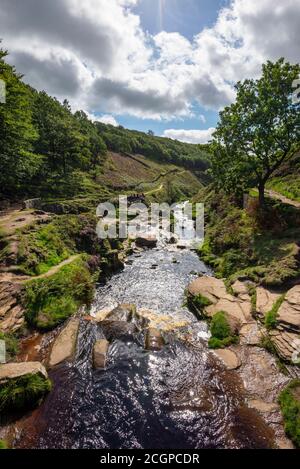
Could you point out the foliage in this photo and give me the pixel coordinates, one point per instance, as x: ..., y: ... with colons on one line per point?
x: 11, y: 344
x: 271, y: 316
x: 23, y: 393
x: 259, y: 131
x: 289, y: 401
x: 240, y: 243
x: 3, y: 444
x: 197, y: 303
x: 221, y: 332
x: 50, y: 301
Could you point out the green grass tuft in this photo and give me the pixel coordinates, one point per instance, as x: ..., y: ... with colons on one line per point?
x: 289, y: 401
x: 221, y: 332
x: 271, y: 316
x: 23, y: 393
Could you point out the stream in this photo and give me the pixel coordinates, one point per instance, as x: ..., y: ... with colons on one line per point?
x: 178, y: 398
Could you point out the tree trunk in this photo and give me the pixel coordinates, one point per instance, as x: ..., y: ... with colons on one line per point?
x: 261, y: 190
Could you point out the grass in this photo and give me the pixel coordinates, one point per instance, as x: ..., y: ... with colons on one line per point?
x: 289, y: 186
x: 271, y: 316
x: 23, y: 393
x: 221, y: 332
x: 261, y: 246
x: 197, y: 304
x: 49, y: 244
x: 289, y: 401
x: 50, y: 301
x: 11, y: 343
x: 3, y: 444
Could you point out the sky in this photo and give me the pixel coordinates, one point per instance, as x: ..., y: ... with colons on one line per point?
x: 165, y: 65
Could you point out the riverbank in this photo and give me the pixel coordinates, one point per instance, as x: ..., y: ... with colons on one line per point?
x: 184, y: 387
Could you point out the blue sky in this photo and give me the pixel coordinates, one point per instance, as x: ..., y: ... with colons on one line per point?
x: 165, y: 65
x: 188, y: 17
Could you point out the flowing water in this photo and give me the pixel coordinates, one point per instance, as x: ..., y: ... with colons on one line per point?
x: 180, y: 397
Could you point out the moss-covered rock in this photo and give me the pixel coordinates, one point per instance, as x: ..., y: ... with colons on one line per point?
x: 22, y: 386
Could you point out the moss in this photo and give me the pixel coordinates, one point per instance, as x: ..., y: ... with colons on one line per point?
x: 289, y: 401
x: 197, y: 303
x: 3, y: 444
x: 50, y: 301
x: 23, y: 393
x: 271, y: 316
x: 221, y: 332
x: 11, y: 344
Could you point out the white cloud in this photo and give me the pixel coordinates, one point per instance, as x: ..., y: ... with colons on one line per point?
x: 190, y: 136
x: 97, y: 55
x: 106, y: 119
x: 202, y: 118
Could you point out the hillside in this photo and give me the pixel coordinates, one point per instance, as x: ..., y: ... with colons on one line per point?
x: 286, y: 180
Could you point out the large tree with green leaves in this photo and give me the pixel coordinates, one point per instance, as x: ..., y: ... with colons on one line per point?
x: 17, y: 134
x: 260, y: 131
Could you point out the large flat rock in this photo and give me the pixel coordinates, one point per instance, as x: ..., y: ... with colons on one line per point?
x: 64, y: 346
x: 289, y: 312
x: 229, y: 358
x: 239, y: 308
x: 17, y: 370
x: 287, y: 344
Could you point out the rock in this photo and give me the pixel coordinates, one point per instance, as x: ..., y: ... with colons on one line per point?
x: 11, y: 310
x: 229, y: 358
x: 16, y: 370
x: 64, y: 346
x: 32, y: 204
x: 215, y: 291
x: 210, y: 287
x: 289, y: 312
x: 287, y: 345
x: 250, y: 334
x: 118, y: 329
x: 265, y: 301
x: 100, y: 353
x: 147, y: 241
x: 172, y: 240
x: 262, y: 406
x: 154, y: 339
x: 124, y: 312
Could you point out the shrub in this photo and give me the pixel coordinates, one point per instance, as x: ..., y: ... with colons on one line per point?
x: 11, y: 343
x: 271, y: 316
x: 289, y: 401
x: 221, y: 332
x: 24, y: 392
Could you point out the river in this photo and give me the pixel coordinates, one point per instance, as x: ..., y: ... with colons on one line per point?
x: 180, y: 397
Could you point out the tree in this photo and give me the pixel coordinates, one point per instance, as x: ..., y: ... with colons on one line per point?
x: 17, y: 134
x: 150, y: 133
x: 260, y: 131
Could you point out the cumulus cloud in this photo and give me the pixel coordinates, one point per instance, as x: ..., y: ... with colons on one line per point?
x: 97, y: 55
x: 105, y: 119
x: 190, y: 136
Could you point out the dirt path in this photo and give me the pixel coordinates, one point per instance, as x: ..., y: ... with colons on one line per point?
x: 14, y: 278
x: 282, y: 198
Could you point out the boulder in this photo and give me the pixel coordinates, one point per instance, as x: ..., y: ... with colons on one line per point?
x: 229, y: 358
x: 118, y: 329
x: 154, y: 339
x: 64, y: 346
x: 289, y: 312
x: 146, y: 241
x: 100, y: 354
x: 265, y: 300
x: 250, y: 334
x: 17, y: 370
x: 32, y: 204
x: 11, y: 310
x: 124, y: 312
x: 287, y: 345
x: 215, y: 291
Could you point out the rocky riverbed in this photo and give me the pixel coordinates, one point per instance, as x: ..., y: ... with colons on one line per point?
x: 138, y: 366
